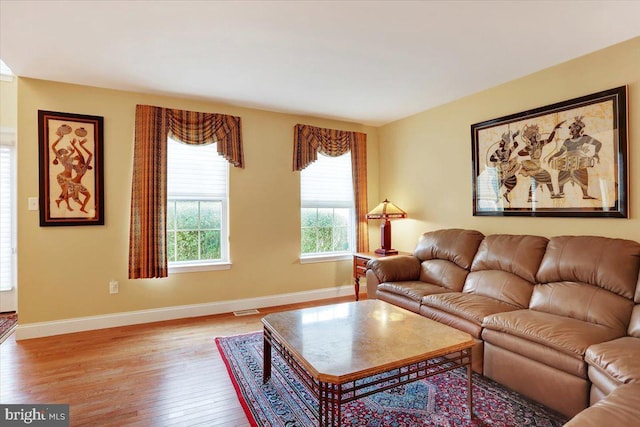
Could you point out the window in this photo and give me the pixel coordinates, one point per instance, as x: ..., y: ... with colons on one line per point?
x: 327, y: 215
x: 197, y: 204
x: 7, y: 211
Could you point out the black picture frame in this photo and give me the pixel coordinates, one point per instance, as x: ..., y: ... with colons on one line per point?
x: 567, y: 159
x: 71, y: 169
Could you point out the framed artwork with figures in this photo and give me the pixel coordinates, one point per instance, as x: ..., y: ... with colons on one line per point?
x: 564, y: 160
x: 71, y: 169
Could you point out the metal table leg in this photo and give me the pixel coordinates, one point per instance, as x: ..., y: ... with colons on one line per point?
x: 266, y: 361
x: 470, y: 387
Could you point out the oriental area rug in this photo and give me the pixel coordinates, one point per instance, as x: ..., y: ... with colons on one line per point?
x: 436, y: 401
x: 8, y: 322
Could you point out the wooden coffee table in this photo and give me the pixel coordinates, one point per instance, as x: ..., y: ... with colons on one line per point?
x: 344, y: 352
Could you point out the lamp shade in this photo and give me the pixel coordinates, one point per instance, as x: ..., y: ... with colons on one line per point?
x: 385, y: 210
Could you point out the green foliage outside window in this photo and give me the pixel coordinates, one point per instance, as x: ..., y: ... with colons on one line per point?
x: 193, y: 230
x: 325, y: 230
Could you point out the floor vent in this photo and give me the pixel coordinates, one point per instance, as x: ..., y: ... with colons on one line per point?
x: 246, y: 312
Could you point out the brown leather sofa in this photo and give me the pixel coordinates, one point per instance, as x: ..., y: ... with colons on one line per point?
x: 554, y: 315
x: 621, y: 408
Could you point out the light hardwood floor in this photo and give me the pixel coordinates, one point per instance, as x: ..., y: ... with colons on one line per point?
x: 157, y: 374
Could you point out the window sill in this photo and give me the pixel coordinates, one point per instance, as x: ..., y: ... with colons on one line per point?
x: 190, y: 268
x: 325, y: 258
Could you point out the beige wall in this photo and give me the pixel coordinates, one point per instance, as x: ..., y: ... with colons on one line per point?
x: 64, y: 271
x: 8, y: 100
x: 426, y: 170
x: 426, y: 158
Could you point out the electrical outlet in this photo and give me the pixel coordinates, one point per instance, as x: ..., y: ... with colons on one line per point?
x: 32, y: 203
x: 113, y: 287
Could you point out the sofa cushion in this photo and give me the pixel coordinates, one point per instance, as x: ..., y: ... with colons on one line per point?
x: 567, y: 362
x: 516, y: 254
x: 564, y: 334
x: 620, y: 408
x: 583, y: 302
x: 455, y: 245
x: 471, y: 327
x: 399, y: 300
x: 443, y: 273
x: 611, y: 264
x: 504, y: 268
x: 414, y: 290
x: 499, y: 285
x: 618, y: 359
x: 471, y: 307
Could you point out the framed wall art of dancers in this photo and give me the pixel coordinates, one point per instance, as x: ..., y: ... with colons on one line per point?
x: 71, y: 169
x: 568, y: 159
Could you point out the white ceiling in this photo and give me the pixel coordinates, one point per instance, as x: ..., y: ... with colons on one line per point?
x: 370, y: 62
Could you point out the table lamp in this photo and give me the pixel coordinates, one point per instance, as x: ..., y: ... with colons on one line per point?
x: 386, y: 210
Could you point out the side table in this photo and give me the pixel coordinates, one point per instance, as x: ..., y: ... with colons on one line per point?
x: 360, y: 260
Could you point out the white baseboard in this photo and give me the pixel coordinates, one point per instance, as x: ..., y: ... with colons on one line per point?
x: 80, y: 324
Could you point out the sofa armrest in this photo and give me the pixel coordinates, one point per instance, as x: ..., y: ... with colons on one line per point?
x: 372, y: 285
x: 620, y: 408
x: 395, y: 269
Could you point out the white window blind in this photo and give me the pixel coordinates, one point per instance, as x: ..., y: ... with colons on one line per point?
x: 195, y: 171
x: 327, y: 182
x: 327, y: 211
x: 197, y: 193
x: 7, y: 213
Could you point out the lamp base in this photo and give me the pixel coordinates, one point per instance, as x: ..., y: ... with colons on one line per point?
x: 385, y: 237
x: 383, y: 251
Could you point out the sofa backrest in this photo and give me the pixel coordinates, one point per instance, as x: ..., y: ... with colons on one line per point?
x: 589, y: 278
x: 505, y: 267
x: 446, y: 256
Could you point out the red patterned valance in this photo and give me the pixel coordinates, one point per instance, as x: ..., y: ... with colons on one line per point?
x: 192, y: 127
x: 309, y: 140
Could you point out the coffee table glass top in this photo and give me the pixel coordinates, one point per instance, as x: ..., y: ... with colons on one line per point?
x: 344, y: 342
